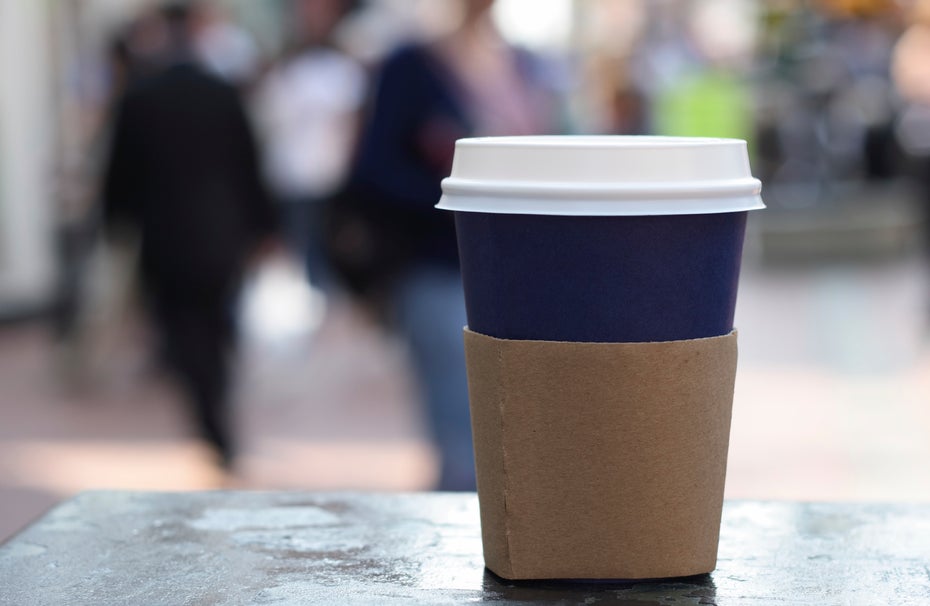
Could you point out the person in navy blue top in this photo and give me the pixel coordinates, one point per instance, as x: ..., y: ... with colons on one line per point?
x: 428, y: 95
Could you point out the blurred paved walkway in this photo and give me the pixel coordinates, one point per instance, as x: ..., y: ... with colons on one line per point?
x: 331, y: 410
x: 832, y: 402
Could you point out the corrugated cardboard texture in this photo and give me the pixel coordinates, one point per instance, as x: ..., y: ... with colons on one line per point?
x: 600, y: 460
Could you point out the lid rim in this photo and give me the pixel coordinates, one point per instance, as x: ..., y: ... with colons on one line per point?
x: 619, y: 190
x: 600, y: 207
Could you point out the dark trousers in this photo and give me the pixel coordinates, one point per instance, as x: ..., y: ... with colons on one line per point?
x: 197, y: 333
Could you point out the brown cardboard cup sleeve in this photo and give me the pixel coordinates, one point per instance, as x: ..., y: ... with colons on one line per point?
x: 600, y: 460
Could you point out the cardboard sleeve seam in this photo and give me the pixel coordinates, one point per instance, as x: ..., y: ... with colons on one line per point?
x: 506, y: 488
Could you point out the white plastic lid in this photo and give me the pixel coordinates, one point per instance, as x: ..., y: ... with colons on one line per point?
x: 600, y: 176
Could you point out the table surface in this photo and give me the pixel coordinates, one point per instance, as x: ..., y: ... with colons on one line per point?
x: 355, y: 548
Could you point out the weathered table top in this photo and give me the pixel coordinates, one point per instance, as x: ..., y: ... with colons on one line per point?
x: 331, y: 548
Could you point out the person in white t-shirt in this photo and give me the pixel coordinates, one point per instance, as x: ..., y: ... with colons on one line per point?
x: 308, y: 106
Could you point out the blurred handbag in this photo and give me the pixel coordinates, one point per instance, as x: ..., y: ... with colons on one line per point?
x: 365, y: 243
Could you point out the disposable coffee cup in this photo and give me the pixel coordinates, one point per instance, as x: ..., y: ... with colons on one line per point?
x: 600, y: 278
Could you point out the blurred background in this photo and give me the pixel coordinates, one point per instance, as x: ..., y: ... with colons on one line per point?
x: 833, y: 96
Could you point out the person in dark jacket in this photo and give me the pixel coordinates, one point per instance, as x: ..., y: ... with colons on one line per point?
x: 183, y: 171
x: 428, y: 94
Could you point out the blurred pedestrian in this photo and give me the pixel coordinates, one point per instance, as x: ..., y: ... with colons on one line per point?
x: 183, y: 171
x: 309, y: 106
x: 470, y: 82
x: 911, y: 71
x: 222, y: 46
x: 95, y: 284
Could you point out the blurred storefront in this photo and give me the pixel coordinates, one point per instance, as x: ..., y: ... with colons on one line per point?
x: 839, y: 181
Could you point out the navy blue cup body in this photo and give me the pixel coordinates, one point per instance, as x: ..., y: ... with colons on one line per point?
x: 600, y: 279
